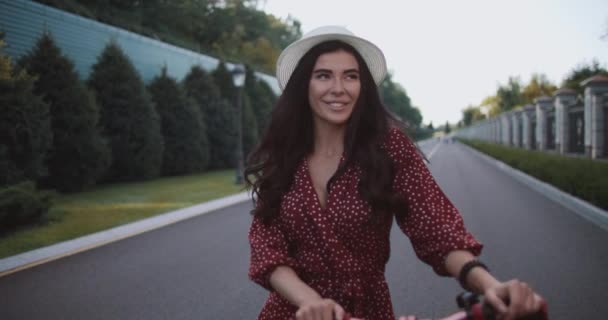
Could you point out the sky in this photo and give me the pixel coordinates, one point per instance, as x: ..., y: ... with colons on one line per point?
x: 451, y: 54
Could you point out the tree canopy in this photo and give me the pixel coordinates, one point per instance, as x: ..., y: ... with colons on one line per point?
x: 538, y: 86
x: 472, y: 114
x: 261, y: 98
x: 447, y: 129
x: 218, y: 114
x: 184, y: 133
x: 79, y: 156
x: 510, y: 95
x: 25, y: 126
x: 233, y: 30
x: 581, y: 72
x: 128, y: 118
x: 396, y: 99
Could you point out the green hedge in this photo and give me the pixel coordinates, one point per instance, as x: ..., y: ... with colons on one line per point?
x: 23, y: 204
x: 583, y: 178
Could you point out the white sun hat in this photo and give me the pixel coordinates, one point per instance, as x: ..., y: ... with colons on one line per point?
x: 290, y: 57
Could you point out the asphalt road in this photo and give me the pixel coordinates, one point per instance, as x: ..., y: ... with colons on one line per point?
x: 196, y: 269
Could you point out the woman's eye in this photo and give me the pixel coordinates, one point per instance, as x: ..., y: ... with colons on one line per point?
x: 322, y: 76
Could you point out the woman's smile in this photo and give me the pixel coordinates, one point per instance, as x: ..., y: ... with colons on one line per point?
x: 336, y: 105
x: 334, y: 87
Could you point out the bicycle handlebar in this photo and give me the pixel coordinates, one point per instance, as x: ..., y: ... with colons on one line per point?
x: 477, y: 309
x: 474, y: 308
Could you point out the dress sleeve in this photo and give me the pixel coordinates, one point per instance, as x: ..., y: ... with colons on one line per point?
x: 432, y: 223
x: 269, y: 249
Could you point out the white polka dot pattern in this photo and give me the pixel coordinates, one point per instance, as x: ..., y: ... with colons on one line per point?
x: 338, y: 252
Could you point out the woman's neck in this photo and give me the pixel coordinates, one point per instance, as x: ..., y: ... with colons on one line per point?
x: 329, y: 140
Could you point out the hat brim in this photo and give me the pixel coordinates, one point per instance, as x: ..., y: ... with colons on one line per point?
x: 290, y: 57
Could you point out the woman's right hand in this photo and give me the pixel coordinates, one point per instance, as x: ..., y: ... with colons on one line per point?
x: 523, y: 301
x: 311, y: 306
x: 321, y: 309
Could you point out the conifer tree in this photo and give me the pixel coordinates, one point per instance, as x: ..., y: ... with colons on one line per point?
x: 262, y: 99
x: 79, y: 156
x: 182, y: 126
x: 199, y: 85
x: 228, y: 92
x: 25, y: 126
x: 223, y: 79
x: 218, y: 115
x: 250, y: 126
x: 128, y: 118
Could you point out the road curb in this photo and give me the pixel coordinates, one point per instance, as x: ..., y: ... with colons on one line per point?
x: 578, y: 206
x: 63, y: 249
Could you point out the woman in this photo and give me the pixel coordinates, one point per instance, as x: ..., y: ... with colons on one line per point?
x: 330, y: 174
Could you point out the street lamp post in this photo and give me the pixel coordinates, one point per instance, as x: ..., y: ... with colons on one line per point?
x: 238, y: 78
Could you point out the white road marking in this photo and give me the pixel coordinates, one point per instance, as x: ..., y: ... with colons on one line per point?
x: 433, y: 151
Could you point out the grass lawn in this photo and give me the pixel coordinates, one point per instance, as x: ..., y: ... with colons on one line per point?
x: 107, y: 206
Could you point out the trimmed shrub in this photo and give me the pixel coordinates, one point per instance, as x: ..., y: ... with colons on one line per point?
x: 223, y: 79
x: 184, y: 133
x: 228, y: 92
x: 583, y: 178
x: 79, y: 156
x: 22, y: 204
x: 262, y: 100
x: 218, y: 115
x: 250, y: 126
x: 128, y: 118
x: 25, y: 126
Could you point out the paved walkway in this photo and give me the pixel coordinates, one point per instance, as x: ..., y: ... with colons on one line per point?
x: 197, y: 268
x: 70, y: 247
x: 429, y: 147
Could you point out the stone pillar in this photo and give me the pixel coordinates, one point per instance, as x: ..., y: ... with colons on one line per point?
x: 488, y: 123
x: 513, y: 126
x: 516, y: 121
x: 543, y: 104
x: 596, y: 89
x: 506, y: 128
x: 486, y: 131
x: 497, y: 130
x: 564, y: 98
x: 527, y: 118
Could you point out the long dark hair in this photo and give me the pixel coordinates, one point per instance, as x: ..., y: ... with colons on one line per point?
x: 289, y: 138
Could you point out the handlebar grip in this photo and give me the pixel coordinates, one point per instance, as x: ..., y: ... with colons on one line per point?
x: 485, y: 311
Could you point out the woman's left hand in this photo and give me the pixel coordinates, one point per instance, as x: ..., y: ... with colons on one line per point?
x: 513, y: 299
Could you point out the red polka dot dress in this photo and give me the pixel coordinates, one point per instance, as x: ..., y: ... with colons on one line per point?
x: 335, y: 249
